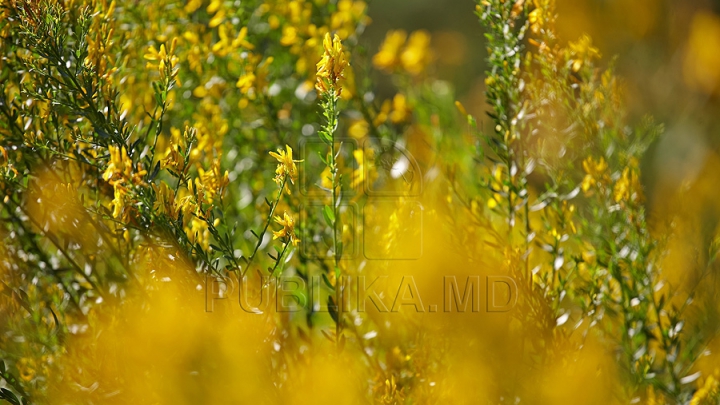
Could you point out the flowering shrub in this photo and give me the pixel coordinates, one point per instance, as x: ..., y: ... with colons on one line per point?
x: 161, y: 157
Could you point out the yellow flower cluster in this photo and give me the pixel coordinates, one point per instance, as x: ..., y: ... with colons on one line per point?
x: 397, y: 111
x: 216, y: 8
x: 164, y: 62
x: 497, y: 184
x: 304, y: 36
x: 287, y: 233
x: 538, y: 17
x: 708, y: 393
x: 226, y: 44
x: 398, y: 52
x: 167, y: 204
x: 27, y: 368
x: 255, y: 79
x: 331, y: 66
x: 212, y: 181
x: 99, y: 43
x: 594, y: 174
x: 121, y: 175
x: 628, y: 187
x: 582, y: 52
x: 286, y: 165
x: 211, y: 126
x: 174, y: 159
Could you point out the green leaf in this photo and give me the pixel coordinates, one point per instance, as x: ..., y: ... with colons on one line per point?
x: 57, y: 328
x: 327, y: 335
x: 332, y: 308
x: 9, y: 396
x: 327, y: 282
x: 325, y: 137
x: 329, y: 215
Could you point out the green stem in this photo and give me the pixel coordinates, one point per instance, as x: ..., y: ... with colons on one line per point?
x: 279, y: 259
x: 261, y: 236
x: 331, y: 126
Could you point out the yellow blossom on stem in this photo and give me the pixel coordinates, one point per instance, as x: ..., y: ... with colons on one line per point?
x: 167, y: 203
x: 286, y: 165
x: 582, y: 51
x: 628, y: 186
x: 595, y: 172
x: 120, y: 174
x: 120, y: 165
x: 213, y: 181
x: 288, y: 229
x: 537, y: 17
x: 707, y: 393
x: 164, y: 61
x: 331, y: 67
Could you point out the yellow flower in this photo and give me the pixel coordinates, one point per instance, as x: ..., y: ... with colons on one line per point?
x: 326, y: 178
x: 225, y: 45
x: 166, y: 203
x: 120, y: 164
x: 358, y: 129
x: 286, y: 165
x: 120, y: 168
x: 26, y: 367
x: 119, y: 202
x: 349, y: 13
x: 218, y: 18
x: 387, y: 57
x: 199, y: 232
x: 289, y: 36
x: 332, y: 65
x: 493, y: 201
x: 581, y: 52
x: 595, y: 172
x: 240, y: 41
x: 417, y: 54
x: 153, y: 55
x: 162, y: 59
x: 400, y: 111
x: 192, y: 5
x: 708, y: 393
x: 460, y: 107
x: 536, y: 17
x: 174, y: 159
x: 627, y: 187
x: 212, y: 181
x: 255, y: 79
x: 245, y: 82
x: 359, y: 173
x: 288, y: 229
